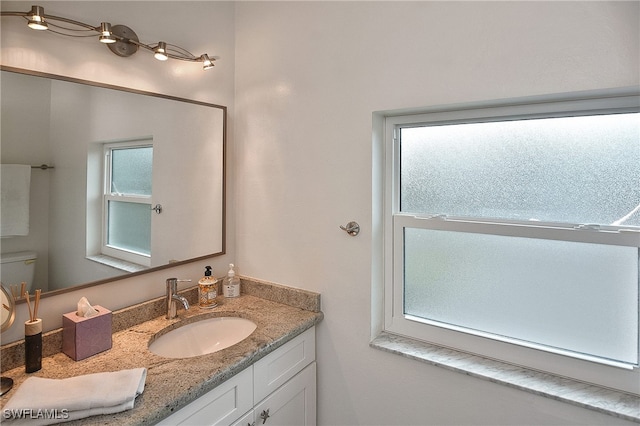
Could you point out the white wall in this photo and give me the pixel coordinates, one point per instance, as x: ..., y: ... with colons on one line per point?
x: 197, y: 26
x: 308, y: 77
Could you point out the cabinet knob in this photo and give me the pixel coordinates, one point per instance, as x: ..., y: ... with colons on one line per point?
x: 264, y: 415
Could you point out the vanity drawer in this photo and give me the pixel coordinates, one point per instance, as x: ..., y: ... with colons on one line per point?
x: 275, y: 369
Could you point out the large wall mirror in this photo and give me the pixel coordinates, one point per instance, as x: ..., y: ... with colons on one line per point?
x: 132, y: 181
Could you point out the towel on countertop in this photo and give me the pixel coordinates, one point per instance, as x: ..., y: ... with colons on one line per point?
x: 15, y: 182
x: 74, y: 398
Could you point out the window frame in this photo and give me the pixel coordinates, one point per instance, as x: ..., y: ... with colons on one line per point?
x: 106, y: 249
x: 394, y: 321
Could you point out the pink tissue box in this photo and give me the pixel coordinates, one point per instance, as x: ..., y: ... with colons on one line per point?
x: 84, y: 337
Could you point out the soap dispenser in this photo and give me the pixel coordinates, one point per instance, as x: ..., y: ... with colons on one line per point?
x: 208, y: 289
x: 231, y: 283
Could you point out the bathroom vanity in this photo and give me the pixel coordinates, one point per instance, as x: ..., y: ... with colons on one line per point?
x: 279, y: 389
x: 270, y: 373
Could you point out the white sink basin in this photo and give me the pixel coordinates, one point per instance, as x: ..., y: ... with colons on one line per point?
x: 202, y: 337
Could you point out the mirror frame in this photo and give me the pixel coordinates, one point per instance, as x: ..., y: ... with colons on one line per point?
x: 156, y: 95
x: 9, y: 306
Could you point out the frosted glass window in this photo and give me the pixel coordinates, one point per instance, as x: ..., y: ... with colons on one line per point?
x: 512, y: 231
x: 127, y: 201
x: 568, y: 169
x: 575, y: 296
x: 129, y: 227
x: 131, y: 170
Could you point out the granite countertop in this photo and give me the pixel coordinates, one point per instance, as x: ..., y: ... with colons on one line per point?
x: 173, y: 383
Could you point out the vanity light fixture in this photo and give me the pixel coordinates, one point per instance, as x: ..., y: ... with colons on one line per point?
x: 207, y: 63
x: 161, y: 51
x: 36, y: 18
x: 120, y: 39
x: 106, y: 35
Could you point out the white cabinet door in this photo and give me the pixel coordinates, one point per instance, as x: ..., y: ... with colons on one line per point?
x: 220, y: 406
x: 293, y: 404
x: 275, y: 369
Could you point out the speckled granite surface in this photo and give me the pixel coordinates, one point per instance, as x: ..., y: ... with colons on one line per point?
x: 608, y: 401
x: 278, y: 293
x: 12, y: 355
x: 173, y: 383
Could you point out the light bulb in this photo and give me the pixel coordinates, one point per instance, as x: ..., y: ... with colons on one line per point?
x: 106, y: 36
x: 207, y: 63
x: 161, y: 51
x: 36, y: 18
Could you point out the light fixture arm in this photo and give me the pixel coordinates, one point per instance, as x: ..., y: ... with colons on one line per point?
x: 120, y: 39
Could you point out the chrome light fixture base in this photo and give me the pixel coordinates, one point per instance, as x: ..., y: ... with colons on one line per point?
x: 123, y: 45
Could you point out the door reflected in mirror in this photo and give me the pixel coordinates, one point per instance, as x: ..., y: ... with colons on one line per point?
x: 136, y: 182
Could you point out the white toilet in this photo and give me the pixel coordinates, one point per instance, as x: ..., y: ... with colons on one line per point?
x: 18, y: 267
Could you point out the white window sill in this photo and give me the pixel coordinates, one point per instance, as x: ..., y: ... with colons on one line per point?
x: 120, y: 264
x: 603, y: 400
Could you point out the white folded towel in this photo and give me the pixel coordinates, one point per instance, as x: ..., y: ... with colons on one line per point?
x: 41, y: 401
x: 15, y: 183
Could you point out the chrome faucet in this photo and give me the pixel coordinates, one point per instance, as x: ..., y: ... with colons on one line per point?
x: 173, y: 297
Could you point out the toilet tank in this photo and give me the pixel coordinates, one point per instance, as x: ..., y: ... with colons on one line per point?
x: 18, y: 267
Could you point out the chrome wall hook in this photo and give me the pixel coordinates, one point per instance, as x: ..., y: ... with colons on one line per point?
x: 352, y: 228
x: 157, y: 208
